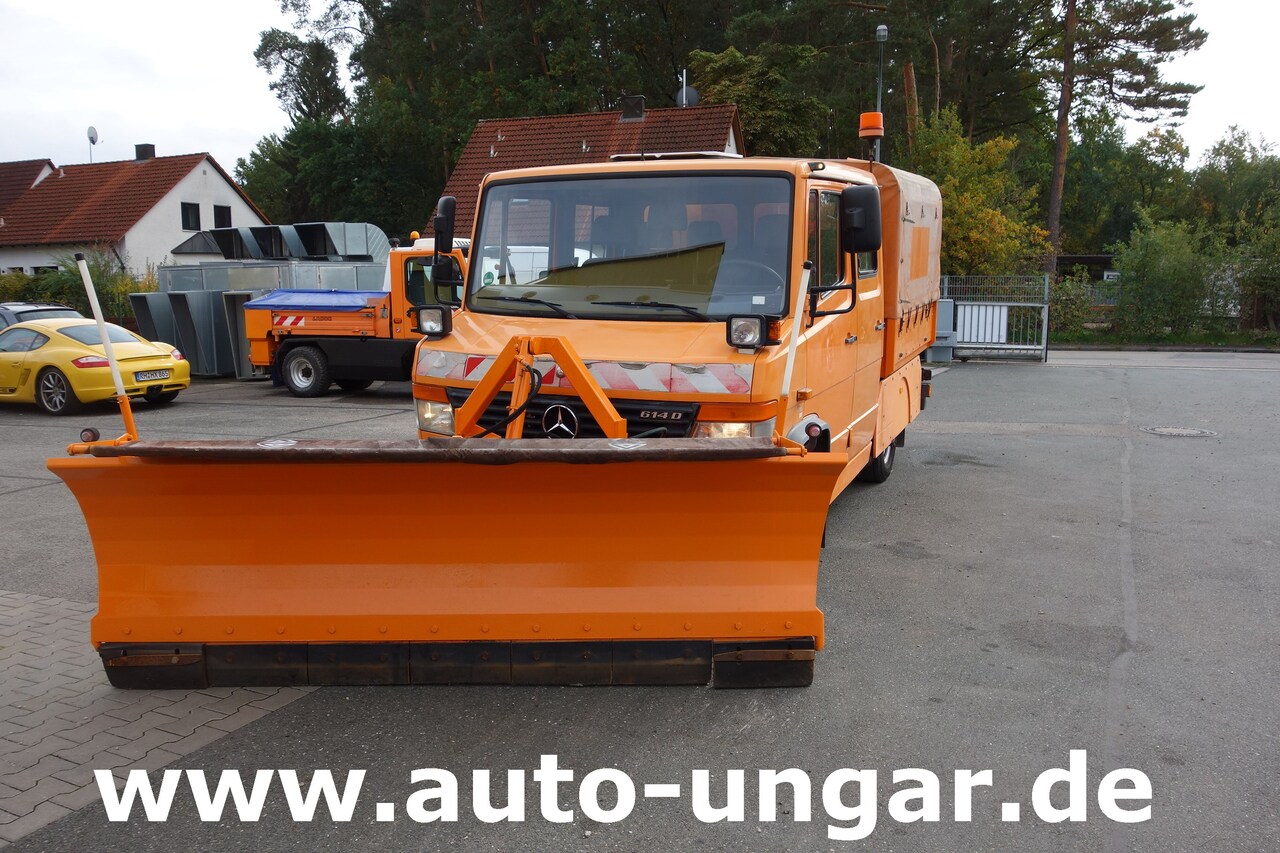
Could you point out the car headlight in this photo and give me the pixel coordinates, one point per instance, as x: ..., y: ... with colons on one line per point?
x: 734, y: 429
x: 435, y: 417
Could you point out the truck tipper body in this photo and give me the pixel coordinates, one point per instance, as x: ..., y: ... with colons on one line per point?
x: 310, y: 339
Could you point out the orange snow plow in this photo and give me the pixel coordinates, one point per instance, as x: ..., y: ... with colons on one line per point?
x: 480, y: 561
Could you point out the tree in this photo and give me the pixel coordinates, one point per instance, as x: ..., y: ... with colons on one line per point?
x: 987, y: 228
x: 308, y: 87
x: 1110, y: 53
x: 776, y: 119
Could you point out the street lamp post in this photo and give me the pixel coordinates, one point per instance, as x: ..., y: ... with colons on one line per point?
x: 882, y: 36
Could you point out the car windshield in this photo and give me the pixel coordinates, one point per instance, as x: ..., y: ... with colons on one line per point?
x: 88, y: 334
x: 651, y: 247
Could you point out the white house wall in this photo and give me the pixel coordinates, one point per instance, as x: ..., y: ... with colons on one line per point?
x: 154, y: 237
x: 29, y: 258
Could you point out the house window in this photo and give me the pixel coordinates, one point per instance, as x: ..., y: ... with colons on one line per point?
x: 190, y: 216
x: 221, y: 216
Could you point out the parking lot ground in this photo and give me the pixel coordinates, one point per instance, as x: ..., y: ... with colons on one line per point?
x: 1041, y: 574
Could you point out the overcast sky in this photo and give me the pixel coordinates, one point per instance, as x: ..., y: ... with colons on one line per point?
x: 180, y: 75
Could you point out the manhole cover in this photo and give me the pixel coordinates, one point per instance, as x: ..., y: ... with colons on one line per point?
x: 1180, y: 432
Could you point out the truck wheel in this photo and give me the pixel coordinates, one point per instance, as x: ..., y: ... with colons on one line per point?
x: 353, y: 384
x: 54, y: 393
x: 879, y: 468
x: 306, y: 372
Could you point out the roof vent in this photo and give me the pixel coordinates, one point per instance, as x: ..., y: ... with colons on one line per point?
x: 145, y: 151
x: 633, y: 108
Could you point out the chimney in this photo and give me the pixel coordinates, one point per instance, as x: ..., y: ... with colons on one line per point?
x: 145, y: 151
x: 632, y: 108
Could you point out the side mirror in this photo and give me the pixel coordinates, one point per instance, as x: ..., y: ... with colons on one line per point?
x: 442, y: 225
x: 860, y: 219
x: 443, y: 280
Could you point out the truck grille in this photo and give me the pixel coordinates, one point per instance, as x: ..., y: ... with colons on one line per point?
x: 641, y: 416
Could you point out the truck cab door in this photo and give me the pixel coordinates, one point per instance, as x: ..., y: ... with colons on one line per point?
x: 411, y: 285
x: 831, y: 338
x: 869, y: 325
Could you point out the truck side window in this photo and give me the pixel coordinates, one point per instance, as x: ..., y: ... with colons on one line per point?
x: 824, y: 238
x: 866, y: 264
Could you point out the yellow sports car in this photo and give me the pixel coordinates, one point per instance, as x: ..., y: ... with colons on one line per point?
x: 60, y: 364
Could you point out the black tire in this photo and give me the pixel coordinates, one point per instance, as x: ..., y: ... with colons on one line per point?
x: 160, y: 397
x: 306, y: 372
x: 54, y: 393
x: 880, y: 467
x: 353, y: 384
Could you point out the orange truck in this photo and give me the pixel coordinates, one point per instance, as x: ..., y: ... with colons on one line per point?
x: 310, y: 339
x: 633, y: 414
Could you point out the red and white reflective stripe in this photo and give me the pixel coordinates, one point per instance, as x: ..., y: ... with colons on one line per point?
x: 653, y: 377
x: 290, y: 320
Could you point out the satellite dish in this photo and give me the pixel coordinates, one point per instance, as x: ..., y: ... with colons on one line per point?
x: 93, y: 135
x: 687, y: 97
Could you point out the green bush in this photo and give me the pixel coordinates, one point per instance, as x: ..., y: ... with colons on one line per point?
x: 13, y: 286
x: 1163, y: 270
x: 1069, y: 303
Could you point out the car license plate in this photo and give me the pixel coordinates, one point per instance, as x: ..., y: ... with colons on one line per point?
x: 150, y: 375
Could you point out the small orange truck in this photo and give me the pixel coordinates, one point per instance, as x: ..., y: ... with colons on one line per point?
x: 310, y: 339
x: 656, y: 375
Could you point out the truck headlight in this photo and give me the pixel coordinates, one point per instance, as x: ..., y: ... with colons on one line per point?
x: 745, y: 332
x: 434, y: 321
x: 734, y: 429
x: 435, y: 417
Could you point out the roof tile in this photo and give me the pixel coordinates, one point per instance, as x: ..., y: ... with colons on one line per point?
x: 95, y: 202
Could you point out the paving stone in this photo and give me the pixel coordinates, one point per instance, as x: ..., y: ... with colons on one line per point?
x: 80, y: 797
x: 84, y: 753
x: 243, y: 717
x: 130, y: 711
x: 201, y: 738
x: 27, y: 777
x: 83, y: 773
x: 282, y: 698
x: 32, y: 754
x: 189, y: 723
x: 44, y: 814
x: 27, y: 801
x: 192, y: 702
x: 234, y: 702
x: 29, y: 718
x: 138, y: 747
x: 141, y: 726
x: 31, y: 736
x: 156, y: 759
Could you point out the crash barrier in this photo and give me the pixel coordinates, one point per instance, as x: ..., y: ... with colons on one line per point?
x: 999, y: 316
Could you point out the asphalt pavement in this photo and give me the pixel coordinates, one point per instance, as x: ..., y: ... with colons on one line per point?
x: 1073, y: 556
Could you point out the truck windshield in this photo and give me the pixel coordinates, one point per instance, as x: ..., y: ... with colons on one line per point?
x: 688, y: 248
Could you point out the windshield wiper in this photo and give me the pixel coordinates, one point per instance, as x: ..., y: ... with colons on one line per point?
x: 692, y: 312
x: 554, y: 306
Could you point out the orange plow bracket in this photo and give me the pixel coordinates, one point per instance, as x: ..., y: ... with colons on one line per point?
x: 417, y: 546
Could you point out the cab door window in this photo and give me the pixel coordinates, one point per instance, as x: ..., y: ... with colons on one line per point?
x: 824, y: 239
x: 418, y: 289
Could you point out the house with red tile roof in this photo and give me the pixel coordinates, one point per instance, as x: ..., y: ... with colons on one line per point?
x: 518, y: 143
x: 145, y: 210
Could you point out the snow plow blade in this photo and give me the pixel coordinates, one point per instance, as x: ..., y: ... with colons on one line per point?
x: 623, y: 561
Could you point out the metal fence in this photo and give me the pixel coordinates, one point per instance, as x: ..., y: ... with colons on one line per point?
x: 1001, y: 316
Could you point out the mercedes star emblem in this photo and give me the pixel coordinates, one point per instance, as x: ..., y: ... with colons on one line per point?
x: 559, y: 421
